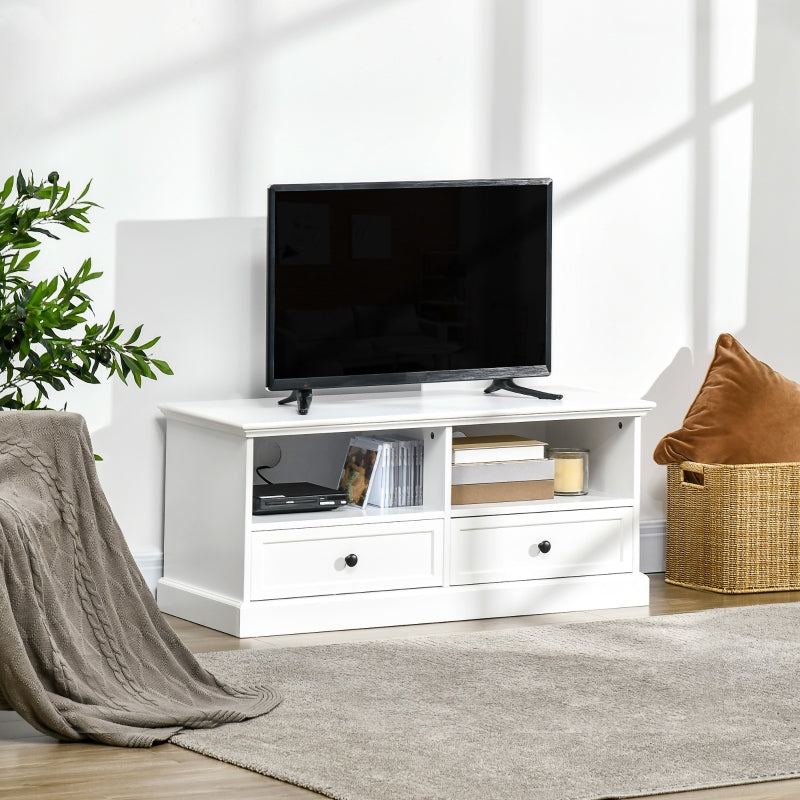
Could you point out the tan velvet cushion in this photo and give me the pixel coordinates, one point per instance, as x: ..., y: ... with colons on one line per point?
x: 744, y: 413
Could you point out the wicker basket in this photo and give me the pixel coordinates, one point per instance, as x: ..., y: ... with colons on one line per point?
x: 733, y: 529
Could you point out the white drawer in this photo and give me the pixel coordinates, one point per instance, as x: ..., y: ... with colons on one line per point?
x: 507, y: 548
x: 395, y: 555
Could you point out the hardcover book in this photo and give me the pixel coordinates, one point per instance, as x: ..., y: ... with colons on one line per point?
x: 503, y: 471
x: 497, y: 447
x: 502, y: 492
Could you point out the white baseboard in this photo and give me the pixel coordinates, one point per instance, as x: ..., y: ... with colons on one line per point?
x: 652, y: 544
x: 151, y: 565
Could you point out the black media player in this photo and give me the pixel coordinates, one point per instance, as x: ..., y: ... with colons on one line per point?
x: 278, y: 498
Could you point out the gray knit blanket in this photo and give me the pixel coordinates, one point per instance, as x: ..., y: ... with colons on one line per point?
x: 84, y: 650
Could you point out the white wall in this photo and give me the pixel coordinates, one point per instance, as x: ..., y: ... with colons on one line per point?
x: 669, y: 127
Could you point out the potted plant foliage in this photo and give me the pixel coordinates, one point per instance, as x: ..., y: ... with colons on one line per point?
x: 48, y: 335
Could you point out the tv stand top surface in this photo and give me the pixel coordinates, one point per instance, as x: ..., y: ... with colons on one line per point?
x: 387, y: 410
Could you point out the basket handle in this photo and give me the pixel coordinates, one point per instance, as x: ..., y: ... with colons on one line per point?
x: 692, y: 475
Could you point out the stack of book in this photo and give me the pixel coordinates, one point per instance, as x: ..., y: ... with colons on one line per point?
x: 500, y: 468
x: 383, y: 471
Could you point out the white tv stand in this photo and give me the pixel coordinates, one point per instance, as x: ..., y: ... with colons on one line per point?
x: 287, y: 573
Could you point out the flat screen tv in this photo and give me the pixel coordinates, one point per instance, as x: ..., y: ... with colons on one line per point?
x: 409, y: 282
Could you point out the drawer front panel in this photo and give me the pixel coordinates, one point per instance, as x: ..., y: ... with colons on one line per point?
x: 507, y: 548
x: 390, y: 556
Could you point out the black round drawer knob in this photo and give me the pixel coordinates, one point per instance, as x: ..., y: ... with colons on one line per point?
x: 545, y: 546
x: 351, y: 560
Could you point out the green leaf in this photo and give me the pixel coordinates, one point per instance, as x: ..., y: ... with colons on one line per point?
x: 64, y: 195
x: 135, y: 335
x: 147, y: 372
x: 26, y: 260
x: 130, y: 362
x: 6, y: 400
x: 79, y: 309
x: 7, y: 188
x: 84, y: 192
x: 37, y: 295
x: 44, y: 232
x: 75, y: 226
x: 43, y: 193
x: 34, y: 364
x: 162, y: 366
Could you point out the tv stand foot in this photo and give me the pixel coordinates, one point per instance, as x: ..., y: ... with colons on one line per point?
x: 303, y: 398
x: 509, y: 385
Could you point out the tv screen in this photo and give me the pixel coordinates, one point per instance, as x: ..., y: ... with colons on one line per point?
x: 405, y: 283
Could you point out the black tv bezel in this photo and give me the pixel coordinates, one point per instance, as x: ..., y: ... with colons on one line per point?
x: 402, y: 378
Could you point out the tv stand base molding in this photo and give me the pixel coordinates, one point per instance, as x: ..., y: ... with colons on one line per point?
x: 351, y: 568
x: 411, y: 607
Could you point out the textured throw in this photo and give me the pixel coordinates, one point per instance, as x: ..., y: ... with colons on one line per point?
x: 552, y: 712
x: 84, y: 651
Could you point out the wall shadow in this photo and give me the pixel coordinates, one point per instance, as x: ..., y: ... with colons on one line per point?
x: 509, y: 91
x: 683, y: 373
x: 201, y: 286
x: 772, y: 329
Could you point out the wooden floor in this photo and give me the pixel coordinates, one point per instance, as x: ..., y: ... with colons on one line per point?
x: 34, y: 767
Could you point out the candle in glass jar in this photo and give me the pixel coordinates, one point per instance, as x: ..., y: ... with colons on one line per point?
x: 571, y: 470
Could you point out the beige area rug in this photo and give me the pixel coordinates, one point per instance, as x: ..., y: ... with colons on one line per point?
x: 555, y: 712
